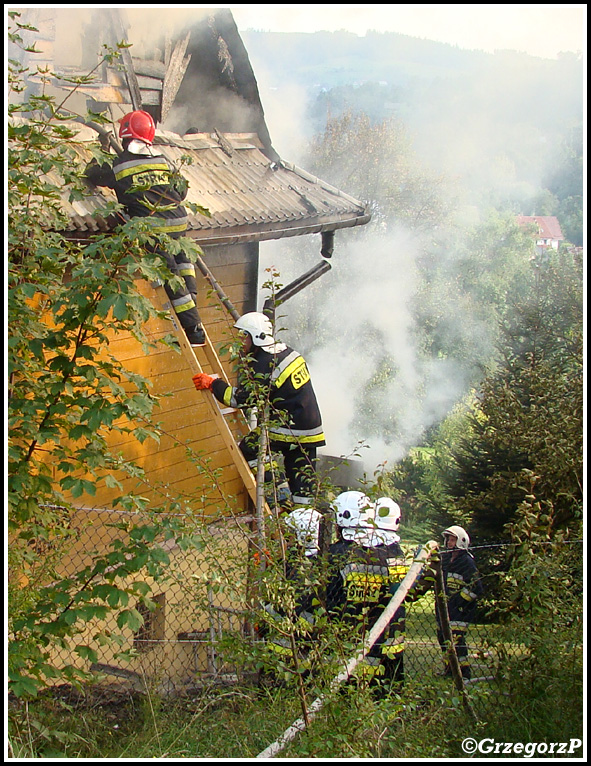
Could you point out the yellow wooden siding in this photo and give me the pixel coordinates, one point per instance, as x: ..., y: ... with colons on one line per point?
x: 208, y: 484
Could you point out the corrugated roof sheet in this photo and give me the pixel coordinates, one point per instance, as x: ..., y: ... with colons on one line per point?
x: 250, y: 198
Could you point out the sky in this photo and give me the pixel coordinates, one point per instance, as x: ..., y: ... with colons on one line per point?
x: 538, y: 29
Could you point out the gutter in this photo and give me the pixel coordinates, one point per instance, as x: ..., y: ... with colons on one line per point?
x: 264, y: 236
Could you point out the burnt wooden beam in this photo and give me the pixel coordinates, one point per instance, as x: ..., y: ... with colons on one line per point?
x: 149, y: 67
x: 132, y: 83
x: 175, y: 71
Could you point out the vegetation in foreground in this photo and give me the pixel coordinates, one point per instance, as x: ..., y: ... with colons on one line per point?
x: 240, y: 722
x: 535, y: 386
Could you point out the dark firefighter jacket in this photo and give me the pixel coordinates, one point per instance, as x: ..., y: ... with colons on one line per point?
x: 146, y: 186
x: 462, y: 585
x: 362, y: 582
x: 299, y: 621
x: 295, y: 415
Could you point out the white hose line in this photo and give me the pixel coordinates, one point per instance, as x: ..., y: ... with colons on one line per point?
x: 373, y: 635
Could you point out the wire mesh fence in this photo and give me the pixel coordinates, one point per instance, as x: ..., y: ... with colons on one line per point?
x: 208, y: 621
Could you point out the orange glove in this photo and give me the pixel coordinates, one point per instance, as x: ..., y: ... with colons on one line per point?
x: 202, y: 381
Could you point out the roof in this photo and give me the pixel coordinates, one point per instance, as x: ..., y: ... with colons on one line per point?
x: 250, y: 197
x: 548, y: 225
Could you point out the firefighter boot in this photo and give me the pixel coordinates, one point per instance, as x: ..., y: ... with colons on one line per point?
x: 196, y: 336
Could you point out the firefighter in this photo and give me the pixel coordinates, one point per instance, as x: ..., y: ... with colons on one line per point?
x: 290, y: 612
x: 146, y: 186
x: 462, y: 586
x: 359, y: 583
x: 387, y: 516
x: 279, y: 375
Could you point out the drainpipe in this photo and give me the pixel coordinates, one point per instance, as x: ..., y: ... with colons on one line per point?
x: 306, y: 279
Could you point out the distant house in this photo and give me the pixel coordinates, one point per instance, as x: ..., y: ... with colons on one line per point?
x: 545, y: 228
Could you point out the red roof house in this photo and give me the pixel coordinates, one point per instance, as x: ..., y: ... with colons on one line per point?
x: 546, y: 229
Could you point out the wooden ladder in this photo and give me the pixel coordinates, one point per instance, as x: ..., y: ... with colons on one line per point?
x: 194, y: 356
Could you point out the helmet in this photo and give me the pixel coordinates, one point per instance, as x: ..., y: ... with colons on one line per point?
x: 139, y: 125
x: 461, y: 534
x: 258, y: 326
x: 306, y: 524
x: 353, y: 509
x: 387, y: 514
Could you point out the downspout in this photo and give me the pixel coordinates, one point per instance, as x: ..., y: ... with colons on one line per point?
x: 304, y: 280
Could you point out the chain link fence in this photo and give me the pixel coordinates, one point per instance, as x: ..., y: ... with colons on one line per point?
x: 207, y: 622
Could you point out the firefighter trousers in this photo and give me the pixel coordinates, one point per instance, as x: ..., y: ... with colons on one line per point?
x: 183, y: 299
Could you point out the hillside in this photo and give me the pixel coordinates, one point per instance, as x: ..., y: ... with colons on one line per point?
x: 506, y: 125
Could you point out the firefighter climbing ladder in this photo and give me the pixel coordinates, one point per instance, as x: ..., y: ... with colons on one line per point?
x: 195, y: 357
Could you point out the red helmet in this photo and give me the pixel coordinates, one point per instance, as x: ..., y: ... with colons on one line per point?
x: 137, y: 125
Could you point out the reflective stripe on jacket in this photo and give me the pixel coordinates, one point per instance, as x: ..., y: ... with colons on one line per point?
x: 295, y: 415
x: 145, y: 186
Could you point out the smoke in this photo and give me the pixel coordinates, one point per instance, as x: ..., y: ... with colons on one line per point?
x: 378, y: 393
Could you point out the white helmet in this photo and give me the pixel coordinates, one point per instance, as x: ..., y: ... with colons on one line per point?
x: 306, y: 524
x: 258, y: 326
x: 353, y: 509
x: 461, y: 534
x: 387, y: 514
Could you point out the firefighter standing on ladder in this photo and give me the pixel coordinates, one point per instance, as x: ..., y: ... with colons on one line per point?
x: 144, y: 183
x: 295, y: 427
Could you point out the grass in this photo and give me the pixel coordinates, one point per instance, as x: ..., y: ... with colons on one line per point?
x: 536, y: 696
x: 427, y: 721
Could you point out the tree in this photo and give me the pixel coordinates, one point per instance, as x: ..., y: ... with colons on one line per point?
x: 374, y: 162
x: 530, y: 408
x: 66, y: 391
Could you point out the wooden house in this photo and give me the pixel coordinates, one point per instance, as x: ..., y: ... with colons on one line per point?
x: 194, y: 84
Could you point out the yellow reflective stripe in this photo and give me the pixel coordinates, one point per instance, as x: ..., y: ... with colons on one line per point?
x: 298, y: 370
x: 398, y: 573
x: 186, y: 269
x: 227, y: 397
x: 299, y: 437
x: 391, y: 651
x: 134, y: 167
x: 183, y: 304
x: 168, y: 228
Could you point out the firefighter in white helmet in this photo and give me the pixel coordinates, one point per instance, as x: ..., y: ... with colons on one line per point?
x: 360, y: 583
x: 275, y: 372
x: 289, y: 610
x: 463, y: 586
x: 147, y: 186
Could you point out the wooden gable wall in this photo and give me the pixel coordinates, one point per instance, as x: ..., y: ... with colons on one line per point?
x: 210, y: 485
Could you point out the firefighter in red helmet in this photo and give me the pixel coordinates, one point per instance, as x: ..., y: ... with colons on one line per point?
x: 145, y: 184
x: 138, y: 125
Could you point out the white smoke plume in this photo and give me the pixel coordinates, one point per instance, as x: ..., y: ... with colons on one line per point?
x: 363, y: 321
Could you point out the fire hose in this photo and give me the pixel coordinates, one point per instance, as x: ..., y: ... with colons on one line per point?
x: 390, y: 610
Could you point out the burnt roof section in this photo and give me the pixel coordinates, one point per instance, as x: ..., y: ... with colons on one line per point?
x: 219, y: 89
x: 250, y: 197
x: 210, y: 85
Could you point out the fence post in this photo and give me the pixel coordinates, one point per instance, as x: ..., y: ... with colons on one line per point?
x: 452, y: 657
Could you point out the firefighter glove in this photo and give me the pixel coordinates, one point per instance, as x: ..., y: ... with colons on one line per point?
x: 202, y: 381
